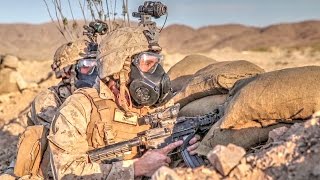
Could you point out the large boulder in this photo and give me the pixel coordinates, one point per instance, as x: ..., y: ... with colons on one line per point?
x: 8, y: 81
x: 10, y: 61
x: 8, y: 74
x: 225, y: 158
x: 292, y: 154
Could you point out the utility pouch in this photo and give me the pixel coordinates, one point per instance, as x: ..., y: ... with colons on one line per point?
x: 31, y: 148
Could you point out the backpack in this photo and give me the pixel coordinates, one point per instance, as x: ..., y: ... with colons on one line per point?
x: 32, y: 157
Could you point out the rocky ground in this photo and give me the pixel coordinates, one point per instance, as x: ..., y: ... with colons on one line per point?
x: 13, y: 105
x: 285, y: 156
x: 291, y: 153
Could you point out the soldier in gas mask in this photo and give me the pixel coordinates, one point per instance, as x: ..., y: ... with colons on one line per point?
x: 132, y: 83
x: 75, y: 64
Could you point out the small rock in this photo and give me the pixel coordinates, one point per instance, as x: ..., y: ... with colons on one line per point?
x: 10, y: 62
x: 240, y: 171
x: 165, y: 173
x: 206, y: 171
x: 258, y: 174
x: 275, y: 134
x: 225, y: 158
x: 7, y: 177
x: 316, y: 115
x: 314, y: 121
x: 251, y: 159
x: 22, y: 84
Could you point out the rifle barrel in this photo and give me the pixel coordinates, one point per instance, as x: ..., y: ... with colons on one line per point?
x: 113, y: 151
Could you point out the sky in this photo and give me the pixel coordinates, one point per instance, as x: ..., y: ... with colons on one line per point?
x: 195, y: 13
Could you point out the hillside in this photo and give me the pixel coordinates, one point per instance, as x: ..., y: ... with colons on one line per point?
x: 40, y: 41
x: 240, y: 37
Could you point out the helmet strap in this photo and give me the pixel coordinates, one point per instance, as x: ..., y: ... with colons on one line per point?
x: 73, y: 76
x: 69, y: 75
x: 124, y: 97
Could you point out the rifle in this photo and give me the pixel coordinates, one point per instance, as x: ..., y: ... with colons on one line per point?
x: 166, y: 128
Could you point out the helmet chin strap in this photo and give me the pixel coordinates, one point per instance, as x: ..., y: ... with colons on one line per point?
x: 69, y: 77
x: 73, y: 76
x: 123, y: 97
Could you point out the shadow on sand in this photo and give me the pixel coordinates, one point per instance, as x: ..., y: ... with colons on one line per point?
x: 9, y: 137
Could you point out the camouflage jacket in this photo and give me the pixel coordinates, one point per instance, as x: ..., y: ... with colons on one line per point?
x: 68, y: 143
x: 46, y: 104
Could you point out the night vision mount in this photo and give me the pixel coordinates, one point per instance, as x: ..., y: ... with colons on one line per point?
x: 145, y: 13
x: 92, y: 31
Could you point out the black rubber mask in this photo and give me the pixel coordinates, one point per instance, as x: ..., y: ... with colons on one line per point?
x: 86, y: 80
x: 150, y: 89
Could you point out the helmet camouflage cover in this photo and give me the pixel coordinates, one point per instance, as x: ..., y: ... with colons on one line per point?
x: 118, y: 46
x: 68, y: 54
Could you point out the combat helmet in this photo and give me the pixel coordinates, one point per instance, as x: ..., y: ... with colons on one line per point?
x: 115, y: 54
x: 67, y: 55
x: 120, y: 45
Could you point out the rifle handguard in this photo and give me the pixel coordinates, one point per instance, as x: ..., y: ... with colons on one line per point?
x: 154, y: 118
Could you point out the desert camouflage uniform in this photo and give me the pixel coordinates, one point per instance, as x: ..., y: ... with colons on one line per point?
x: 68, y: 143
x: 46, y: 103
x: 68, y: 138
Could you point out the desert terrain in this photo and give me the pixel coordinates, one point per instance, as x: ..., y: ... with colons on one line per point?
x: 274, y: 47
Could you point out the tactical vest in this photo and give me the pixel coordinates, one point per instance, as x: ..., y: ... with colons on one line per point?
x: 108, y: 124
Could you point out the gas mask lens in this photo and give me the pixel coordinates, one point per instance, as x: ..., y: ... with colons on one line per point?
x: 86, y: 66
x: 147, y: 61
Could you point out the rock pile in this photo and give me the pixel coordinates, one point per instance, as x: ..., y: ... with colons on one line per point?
x: 290, y: 153
x: 11, y: 80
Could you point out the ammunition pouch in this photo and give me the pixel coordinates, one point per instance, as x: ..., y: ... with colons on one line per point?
x: 108, y: 124
x: 32, y: 156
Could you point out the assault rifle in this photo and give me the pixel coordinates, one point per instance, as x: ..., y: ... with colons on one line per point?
x: 166, y: 128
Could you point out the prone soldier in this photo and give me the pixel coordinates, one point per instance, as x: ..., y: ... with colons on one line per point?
x: 132, y: 83
x: 75, y: 64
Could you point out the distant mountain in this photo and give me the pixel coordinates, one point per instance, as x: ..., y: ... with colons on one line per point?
x: 240, y: 37
x: 30, y: 41
x: 40, y: 41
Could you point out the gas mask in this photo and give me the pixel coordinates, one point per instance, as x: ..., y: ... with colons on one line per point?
x: 149, y: 84
x: 86, y: 73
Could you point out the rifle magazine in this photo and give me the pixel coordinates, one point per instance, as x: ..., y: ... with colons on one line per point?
x: 192, y: 161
